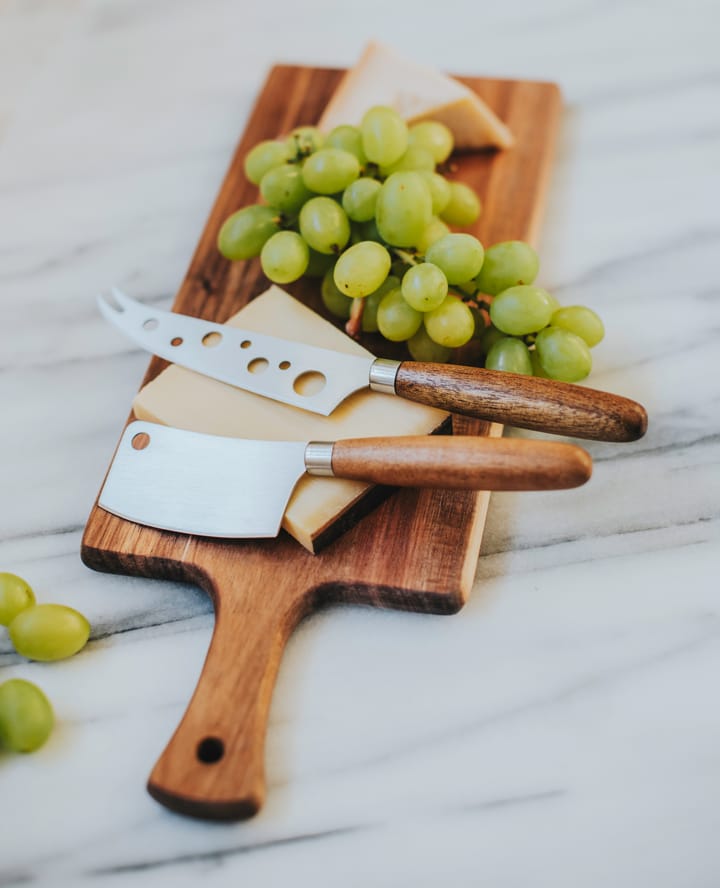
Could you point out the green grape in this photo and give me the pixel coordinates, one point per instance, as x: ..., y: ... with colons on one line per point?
x: 537, y: 368
x: 396, y: 320
x: 15, y: 596
x: 372, y: 302
x: 359, y: 199
x: 506, y: 265
x: 283, y: 188
x: 285, y: 257
x: 336, y: 302
x: 451, y: 324
x: 368, y: 231
x: 439, y: 190
x: 479, y: 319
x: 404, y: 209
x: 384, y: 135
x: 264, y: 157
x: 422, y: 348
x: 413, y: 159
x: 49, y: 632
x: 563, y: 355
x: 458, y: 255
x: 347, y: 138
x: 511, y: 355
x: 521, y: 310
x: 330, y: 170
x: 581, y: 321
x: 362, y: 268
x: 434, y: 136
x: 488, y: 337
x: 324, y: 225
x: 244, y: 234
x: 424, y: 287
x: 303, y: 140
x: 26, y: 716
x: 318, y: 264
x: 463, y: 207
x: 553, y: 301
x: 433, y: 232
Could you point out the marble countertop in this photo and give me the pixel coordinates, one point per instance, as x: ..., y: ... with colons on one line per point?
x: 563, y: 729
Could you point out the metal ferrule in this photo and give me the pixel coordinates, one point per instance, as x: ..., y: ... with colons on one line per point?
x: 382, y: 375
x: 318, y: 458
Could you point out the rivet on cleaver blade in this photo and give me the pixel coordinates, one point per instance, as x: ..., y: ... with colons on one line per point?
x: 207, y: 485
x: 237, y: 356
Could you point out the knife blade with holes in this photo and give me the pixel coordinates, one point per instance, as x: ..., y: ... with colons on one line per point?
x: 318, y: 379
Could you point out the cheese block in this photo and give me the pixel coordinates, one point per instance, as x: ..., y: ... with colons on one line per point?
x: 382, y: 77
x: 319, y: 508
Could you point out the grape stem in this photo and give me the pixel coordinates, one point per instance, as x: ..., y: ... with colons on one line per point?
x: 354, y: 325
x: 405, y: 256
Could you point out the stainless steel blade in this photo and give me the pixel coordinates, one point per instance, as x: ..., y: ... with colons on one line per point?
x: 201, y: 484
x: 315, y: 379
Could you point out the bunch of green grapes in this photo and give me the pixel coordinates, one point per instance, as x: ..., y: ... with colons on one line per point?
x: 366, y: 210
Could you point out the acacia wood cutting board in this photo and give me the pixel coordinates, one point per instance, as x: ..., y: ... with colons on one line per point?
x: 417, y: 551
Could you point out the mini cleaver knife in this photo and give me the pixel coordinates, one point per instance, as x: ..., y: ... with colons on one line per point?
x: 214, y: 486
x: 277, y: 369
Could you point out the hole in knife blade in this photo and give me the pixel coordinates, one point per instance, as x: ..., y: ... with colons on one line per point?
x: 284, y: 365
x: 258, y: 365
x: 210, y: 750
x: 140, y: 441
x: 309, y: 383
x: 150, y: 324
x: 176, y: 340
x: 245, y: 343
x: 210, y: 340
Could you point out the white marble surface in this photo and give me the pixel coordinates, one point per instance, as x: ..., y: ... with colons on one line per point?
x: 564, y: 728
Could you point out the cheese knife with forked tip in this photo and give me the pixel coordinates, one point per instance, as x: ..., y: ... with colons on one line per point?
x: 277, y: 368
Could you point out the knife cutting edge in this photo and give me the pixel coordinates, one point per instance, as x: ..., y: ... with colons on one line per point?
x: 214, y: 486
x: 276, y: 368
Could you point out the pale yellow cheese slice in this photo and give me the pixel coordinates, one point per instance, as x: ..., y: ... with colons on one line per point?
x: 382, y: 77
x: 187, y: 400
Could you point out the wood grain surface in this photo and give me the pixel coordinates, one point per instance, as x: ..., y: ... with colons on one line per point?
x: 463, y: 462
x: 417, y: 551
x: 528, y: 402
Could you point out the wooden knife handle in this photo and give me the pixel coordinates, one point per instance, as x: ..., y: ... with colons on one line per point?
x: 214, y: 765
x: 529, y: 402
x: 462, y: 462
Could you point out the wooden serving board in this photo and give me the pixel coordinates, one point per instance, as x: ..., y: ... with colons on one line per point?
x: 417, y: 551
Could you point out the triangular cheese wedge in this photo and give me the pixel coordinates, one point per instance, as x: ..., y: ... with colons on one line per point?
x: 382, y: 77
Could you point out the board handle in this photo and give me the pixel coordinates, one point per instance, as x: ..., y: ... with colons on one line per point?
x: 214, y: 765
x: 530, y: 402
x: 463, y: 462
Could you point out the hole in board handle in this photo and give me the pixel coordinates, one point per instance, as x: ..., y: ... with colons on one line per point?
x: 210, y: 750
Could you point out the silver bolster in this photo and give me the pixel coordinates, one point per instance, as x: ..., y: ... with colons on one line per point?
x: 318, y: 458
x: 382, y: 375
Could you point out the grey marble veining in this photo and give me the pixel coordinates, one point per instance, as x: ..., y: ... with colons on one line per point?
x: 563, y: 729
